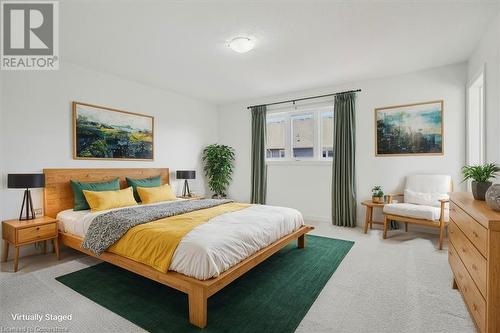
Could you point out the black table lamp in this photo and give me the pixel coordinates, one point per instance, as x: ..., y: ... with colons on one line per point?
x: 26, y: 181
x: 186, y: 174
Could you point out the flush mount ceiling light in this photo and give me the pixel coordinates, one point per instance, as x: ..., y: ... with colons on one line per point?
x: 241, y: 44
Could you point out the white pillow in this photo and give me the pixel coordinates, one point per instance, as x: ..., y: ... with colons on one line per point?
x: 427, y: 199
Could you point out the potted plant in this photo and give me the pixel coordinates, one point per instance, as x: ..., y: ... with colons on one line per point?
x: 219, y: 160
x: 480, y: 176
x: 377, y: 194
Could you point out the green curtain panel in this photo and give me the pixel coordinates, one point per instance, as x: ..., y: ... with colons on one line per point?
x: 343, y: 177
x: 259, y: 168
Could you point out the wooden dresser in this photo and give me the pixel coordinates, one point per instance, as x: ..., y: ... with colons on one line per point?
x: 474, y: 256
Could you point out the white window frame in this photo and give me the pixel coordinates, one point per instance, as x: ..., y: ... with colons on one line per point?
x: 476, y: 114
x: 287, y: 114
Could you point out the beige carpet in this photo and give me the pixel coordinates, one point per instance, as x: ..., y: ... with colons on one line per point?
x: 402, y: 284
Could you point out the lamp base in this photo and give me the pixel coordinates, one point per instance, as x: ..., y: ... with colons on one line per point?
x: 185, y: 190
x: 30, y: 212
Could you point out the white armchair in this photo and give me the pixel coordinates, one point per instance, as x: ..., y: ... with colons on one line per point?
x: 425, y: 202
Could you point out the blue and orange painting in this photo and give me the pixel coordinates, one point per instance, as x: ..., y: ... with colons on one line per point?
x: 410, y: 129
x: 111, y: 134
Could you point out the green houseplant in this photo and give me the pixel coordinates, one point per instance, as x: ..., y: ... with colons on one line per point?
x: 219, y: 162
x: 377, y: 194
x: 480, y: 176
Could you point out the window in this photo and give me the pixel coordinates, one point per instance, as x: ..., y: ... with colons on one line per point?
x: 475, y: 121
x: 297, y: 135
x: 327, y: 134
x: 303, y: 135
x: 276, y: 141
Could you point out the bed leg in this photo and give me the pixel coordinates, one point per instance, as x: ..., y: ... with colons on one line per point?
x: 301, y: 241
x: 197, y: 298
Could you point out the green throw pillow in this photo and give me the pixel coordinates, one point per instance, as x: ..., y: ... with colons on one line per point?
x: 78, y: 187
x: 143, y: 182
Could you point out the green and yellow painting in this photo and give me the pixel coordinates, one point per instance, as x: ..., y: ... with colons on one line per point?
x: 111, y: 134
x: 410, y: 129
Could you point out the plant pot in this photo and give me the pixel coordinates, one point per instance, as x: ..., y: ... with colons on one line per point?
x: 479, y: 189
x: 377, y: 199
x: 493, y: 197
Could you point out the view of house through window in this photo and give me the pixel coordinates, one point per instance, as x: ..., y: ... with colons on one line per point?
x: 327, y: 134
x: 276, y: 141
x: 298, y: 135
x: 303, y: 135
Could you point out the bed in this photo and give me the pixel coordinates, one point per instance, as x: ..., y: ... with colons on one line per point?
x: 198, y: 284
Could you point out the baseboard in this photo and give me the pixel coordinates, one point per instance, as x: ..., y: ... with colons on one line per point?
x: 361, y: 222
x: 317, y: 218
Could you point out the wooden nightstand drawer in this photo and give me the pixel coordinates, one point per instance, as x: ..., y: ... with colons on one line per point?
x: 36, y: 232
x: 474, y: 231
x: 474, y: 262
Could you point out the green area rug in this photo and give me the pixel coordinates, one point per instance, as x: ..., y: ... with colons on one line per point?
x: 272, y: 297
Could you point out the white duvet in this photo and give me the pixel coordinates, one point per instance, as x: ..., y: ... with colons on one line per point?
x: 222, y: 242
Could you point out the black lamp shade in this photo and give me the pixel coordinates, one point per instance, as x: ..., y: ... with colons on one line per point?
x: 186, y: 174
x: 25, y: 180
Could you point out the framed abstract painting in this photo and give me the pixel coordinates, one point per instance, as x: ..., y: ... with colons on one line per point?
x: 104, y: 133
x: 412, y: 129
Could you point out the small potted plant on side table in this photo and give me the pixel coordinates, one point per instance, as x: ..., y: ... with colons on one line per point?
x: 480, y: 176
x: 377, y: 194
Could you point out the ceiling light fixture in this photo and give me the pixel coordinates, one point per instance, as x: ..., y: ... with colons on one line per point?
x: 241, y: 44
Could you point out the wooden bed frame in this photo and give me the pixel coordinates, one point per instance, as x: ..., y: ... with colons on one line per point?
x: 59, y: 196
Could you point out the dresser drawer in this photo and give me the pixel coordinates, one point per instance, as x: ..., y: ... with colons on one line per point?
x: 36, y: 232
x: 474, y: 231
x: 472, y: 296
x: 474, y: 262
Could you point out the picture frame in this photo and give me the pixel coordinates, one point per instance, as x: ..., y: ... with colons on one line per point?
x: 410, y: 129
x: 104, y: 133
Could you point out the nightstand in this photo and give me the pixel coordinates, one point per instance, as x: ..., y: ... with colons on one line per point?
x: 19, y: 233
x: 194, y: 197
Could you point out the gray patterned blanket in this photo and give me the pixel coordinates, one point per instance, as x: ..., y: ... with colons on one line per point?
x: 107, y: 228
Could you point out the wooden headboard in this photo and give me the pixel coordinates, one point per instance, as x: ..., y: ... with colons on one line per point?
x: 58, y: 194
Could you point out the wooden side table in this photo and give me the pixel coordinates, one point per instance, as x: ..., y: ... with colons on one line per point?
x: 19, y: 233
x: 369, y: 213
x: 194, y: 197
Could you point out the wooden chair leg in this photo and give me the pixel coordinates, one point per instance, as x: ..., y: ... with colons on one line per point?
x: 197, y: 298
x: 441, y: 235
x: 406, y: 226
x: 301, y: 242
x: 386, y: 220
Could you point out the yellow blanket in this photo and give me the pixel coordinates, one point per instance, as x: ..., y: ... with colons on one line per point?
x: 154, y: 243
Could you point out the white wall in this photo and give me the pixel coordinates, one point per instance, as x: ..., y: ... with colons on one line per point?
x: 487, y: 56
x: 307, y: 187
x: 36, y: 126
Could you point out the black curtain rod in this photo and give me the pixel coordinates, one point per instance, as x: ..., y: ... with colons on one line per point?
x: 305, y: 98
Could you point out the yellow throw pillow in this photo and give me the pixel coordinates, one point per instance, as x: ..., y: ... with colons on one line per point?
x: 102, y: 200
x: 156, y: 194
